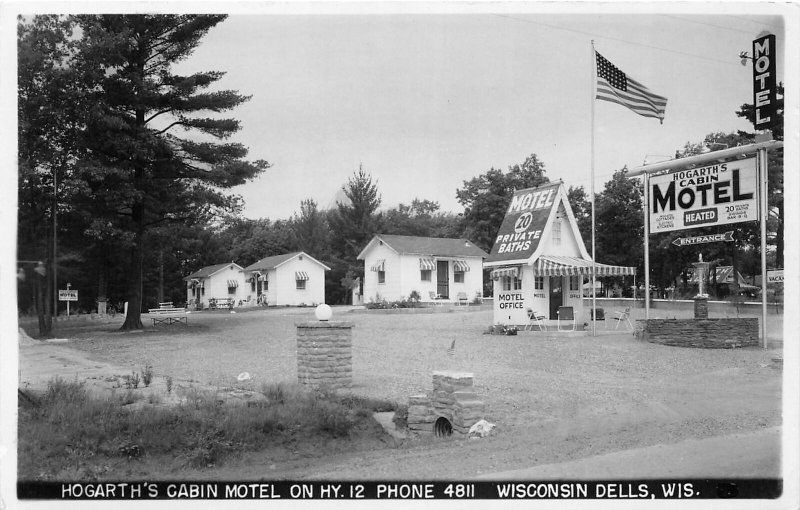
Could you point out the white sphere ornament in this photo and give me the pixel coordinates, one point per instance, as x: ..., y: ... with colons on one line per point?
x: 323, y: 312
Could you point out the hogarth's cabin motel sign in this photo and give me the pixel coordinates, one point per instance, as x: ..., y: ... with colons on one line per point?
x: 717, y: 194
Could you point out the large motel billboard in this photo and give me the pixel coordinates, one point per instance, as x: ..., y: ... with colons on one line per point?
x: 718, y: 194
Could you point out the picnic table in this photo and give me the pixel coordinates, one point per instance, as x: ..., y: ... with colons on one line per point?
x: 168, y: 314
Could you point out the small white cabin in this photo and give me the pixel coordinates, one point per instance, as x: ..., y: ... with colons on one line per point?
x: 438, y: 269
x: 210, y: 285
x: 291, y: 279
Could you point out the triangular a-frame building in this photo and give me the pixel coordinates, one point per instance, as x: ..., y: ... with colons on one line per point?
x: 539, y: 262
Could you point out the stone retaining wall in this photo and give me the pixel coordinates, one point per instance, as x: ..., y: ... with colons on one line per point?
x: 452, y: 398
x: 325, y: 354
x: 702, y: 333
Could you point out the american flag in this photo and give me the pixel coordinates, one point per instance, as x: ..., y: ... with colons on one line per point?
x: 451, y: 351
x: 614, y: 86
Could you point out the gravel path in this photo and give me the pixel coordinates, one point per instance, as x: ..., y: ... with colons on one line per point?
x: 553, y: 398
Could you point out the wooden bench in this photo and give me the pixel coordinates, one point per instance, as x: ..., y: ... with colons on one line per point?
x: 168, y: 314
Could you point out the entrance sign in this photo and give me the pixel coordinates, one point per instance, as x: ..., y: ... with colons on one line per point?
x: 67, y: 295
x: 717, y: 194
x: 775, y: 276
x: 713, y: 238
x: 765, y: 91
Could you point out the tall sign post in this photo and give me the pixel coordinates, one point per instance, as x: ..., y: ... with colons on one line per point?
x: 67, y: 295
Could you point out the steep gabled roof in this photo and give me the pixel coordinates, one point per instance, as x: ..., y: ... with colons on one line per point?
x: 207, y: 271
x: 268, y: 263
x: 432, y: 246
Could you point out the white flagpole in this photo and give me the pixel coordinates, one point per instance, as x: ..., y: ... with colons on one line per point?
x: 594, y: 290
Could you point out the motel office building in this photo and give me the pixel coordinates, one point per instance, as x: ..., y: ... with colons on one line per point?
x: 539, y: 261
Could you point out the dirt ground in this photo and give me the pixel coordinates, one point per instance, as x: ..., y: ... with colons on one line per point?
x: 554, y: 398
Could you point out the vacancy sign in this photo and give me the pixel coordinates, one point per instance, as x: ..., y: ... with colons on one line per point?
x: 67, y: 295
x: 775, y: 276
x: 718, y: 194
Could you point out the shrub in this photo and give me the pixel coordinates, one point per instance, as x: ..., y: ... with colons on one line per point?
x: 147, y: 375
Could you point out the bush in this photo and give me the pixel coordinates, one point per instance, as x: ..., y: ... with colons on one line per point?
x: 501, y: 329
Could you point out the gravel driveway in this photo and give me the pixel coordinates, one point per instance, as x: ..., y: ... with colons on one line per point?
x: 554, y: 398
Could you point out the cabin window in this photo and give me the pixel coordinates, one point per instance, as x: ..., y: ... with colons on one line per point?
x: 575, y: 283
x: 538, y: 282
x: 425, y: 275
x: 381, y: 276
x: 300, y: 284
x: 458, y: 276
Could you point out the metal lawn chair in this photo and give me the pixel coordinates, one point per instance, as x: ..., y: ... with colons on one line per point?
x: 535, y: 318
x: 623, y: 316
x: 566, y: 314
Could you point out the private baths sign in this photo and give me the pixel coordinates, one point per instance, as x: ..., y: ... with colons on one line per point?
x: 718, y: 194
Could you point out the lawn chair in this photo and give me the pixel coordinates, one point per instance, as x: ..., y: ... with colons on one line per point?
x: 436, y: 298
x: 623, y: 316
x: 463, y: 299
x: 535, y: 318
x: 598, y: 314
x: 566, y: 314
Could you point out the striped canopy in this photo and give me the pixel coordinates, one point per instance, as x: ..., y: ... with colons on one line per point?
x: 232, y: 283
x: 460, y: 265
x: 506, y: 271
x: 378, y: 265
x: 551, y: 265
x: 301, y: 275
x: 427, y: 264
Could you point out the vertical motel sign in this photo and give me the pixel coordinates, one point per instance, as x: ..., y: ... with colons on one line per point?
x: 764, y: 82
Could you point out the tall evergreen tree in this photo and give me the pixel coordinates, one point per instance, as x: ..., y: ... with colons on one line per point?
x: 135, y: 151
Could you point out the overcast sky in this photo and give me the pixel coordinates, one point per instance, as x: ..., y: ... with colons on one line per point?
x: 427, y: 100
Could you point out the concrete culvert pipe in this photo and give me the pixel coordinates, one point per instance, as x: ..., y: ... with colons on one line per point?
x: 442, y: 428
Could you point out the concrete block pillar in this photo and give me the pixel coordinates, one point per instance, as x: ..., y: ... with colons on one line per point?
x: 325, y: 354
x: 701, y: 307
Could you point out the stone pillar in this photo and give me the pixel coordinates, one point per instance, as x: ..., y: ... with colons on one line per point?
x: 701, y: 307
x: 325, y: 354
x: 453, y: 398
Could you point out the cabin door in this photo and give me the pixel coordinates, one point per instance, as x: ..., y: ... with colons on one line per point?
x: 556, y: 296
x: 443, y: 279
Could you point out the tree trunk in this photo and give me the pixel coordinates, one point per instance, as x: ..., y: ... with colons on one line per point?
x: 161, y: 276
x: 133, y: 320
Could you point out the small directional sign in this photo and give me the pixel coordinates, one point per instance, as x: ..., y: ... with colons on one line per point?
x: 712, y: 238
x: 67, y: 295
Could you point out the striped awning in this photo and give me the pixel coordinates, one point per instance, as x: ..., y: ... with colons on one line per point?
x: 427, y: 264
x: 379, y: 265
x: 506, y: 271
x: 232, y: 283
x: 300, y: 275
x: 551, y: 265
x: 460, y: 266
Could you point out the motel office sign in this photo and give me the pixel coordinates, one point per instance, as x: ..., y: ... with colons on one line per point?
x: 718, y: 194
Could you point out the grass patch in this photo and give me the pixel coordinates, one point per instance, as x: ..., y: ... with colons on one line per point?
x: 70, y: 434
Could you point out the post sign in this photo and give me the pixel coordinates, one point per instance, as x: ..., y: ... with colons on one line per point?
x: 765, y: 92
x: 67, y: 295
x: 718, y: 194
x: 713, y: 238
x: 775, y: 276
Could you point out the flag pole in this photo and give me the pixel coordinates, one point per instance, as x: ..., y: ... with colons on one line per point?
x: 591, y: 192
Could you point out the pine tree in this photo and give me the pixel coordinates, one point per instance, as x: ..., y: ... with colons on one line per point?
x: 140, y: 169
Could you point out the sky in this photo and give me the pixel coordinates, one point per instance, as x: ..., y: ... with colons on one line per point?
x: 426, y: 100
